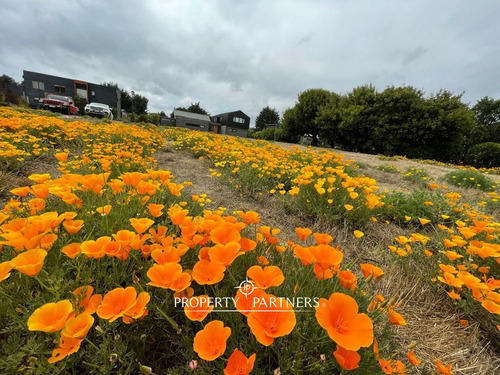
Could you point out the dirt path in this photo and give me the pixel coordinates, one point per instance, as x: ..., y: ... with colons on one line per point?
x: 432, y: 320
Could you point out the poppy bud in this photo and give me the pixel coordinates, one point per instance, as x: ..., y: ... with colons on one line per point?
x: 277, y: 371
x: 322, y: 357
x: 412, y: 345
x: 113, y: 357
x: 99, y: 329
x: 145, y: 370
x: 296, y: 289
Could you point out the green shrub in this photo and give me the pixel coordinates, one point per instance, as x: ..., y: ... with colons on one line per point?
x: 470, y: 179
x: 398, y: 206
x: 267, y: 134
x: 416, y: 175
x: 484, y: 155
x: 389, y: 168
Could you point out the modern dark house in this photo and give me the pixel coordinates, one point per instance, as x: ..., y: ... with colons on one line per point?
x: 231, y: 123
x: 37, y: 85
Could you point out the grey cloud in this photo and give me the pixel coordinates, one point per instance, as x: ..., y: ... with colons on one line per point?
x: 245, y: 55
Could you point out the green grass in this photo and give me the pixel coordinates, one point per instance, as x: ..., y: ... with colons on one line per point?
x: 470, y: 179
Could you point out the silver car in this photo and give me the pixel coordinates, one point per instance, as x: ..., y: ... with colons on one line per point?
x: 99, y: 109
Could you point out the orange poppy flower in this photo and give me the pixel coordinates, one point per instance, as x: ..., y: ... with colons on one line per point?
x: 272, y: 317
x: 197, y: 308
x: 396, y: 318
x: 491, y: 306
x: 239, y: 364
x: 50, y: 317
x: 210, y: 342
x: 141, y: 225
x: 392, y: 366
x: 358, y: 234
x: 413, y: 359
x: 77, y: 327
x: 225, y: 254
x: 249, y: 217
x: 303, y: 233
x: 5, y: 268
x: 155, y: 210
x: 339, y: 316
x: 225, y: 233
x: 132, y: 178
x: 347, y: 279
x: 169, y: 276
x: 326, y: 256
x: 30, y: 262
x: 207, y: 273
x: 265, y: 277
x: 73, y: 226
x: 67, y: 346
x: 40, y: 191
x: 116, y: 302
x: 138, y: 308
x: 95, y: 249
x: 445, y: 370
x: 369, y: 269
x: 322, y: 238
x: 86, y: 302
x: 62, y: 156
x: 72, y: 250
x: 165, y: 255
x: 124, y: 238
x: 177, y: 214
x: 21, y: 191
x: 36, y: 205
x: 247, y: 244
x: 347, y: 359
x: 304, y: 254
x: 104, y: 210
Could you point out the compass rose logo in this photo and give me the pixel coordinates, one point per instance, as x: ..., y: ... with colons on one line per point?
x: 246, y: 287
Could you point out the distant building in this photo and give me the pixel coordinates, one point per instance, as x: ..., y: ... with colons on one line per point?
x: 193, y: 121
x: 231, y: 123
x: 37, y: 85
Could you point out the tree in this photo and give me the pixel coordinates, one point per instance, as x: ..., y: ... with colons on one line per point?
x: 139, y: 103
x: 5, y: 79
x: 301, y: 119
x: 328, y: 120
x: 193, y: 108
x: 290, y: 126
x: 267, y: 115
x: 487, y: 124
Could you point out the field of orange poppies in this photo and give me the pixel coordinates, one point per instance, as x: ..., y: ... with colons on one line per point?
x: 108, y: 266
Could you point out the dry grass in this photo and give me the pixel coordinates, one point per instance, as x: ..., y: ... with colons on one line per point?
x: 432, y: 319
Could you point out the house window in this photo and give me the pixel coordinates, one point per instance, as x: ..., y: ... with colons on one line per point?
x: 38, y: 85
x: 60, y: 89
x: 234, y: 130
x: 239, y: 120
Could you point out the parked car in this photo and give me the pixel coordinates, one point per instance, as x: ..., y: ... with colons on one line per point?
x: 59, y: 103
x: 99, y: 109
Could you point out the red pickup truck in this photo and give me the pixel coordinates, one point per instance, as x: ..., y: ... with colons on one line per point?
x: 59, y: 103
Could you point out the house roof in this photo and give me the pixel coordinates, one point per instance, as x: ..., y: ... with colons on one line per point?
x: 231, y: 112
x: 195, y: 116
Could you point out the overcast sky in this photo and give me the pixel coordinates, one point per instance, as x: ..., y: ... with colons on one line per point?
x: 245, y: 55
